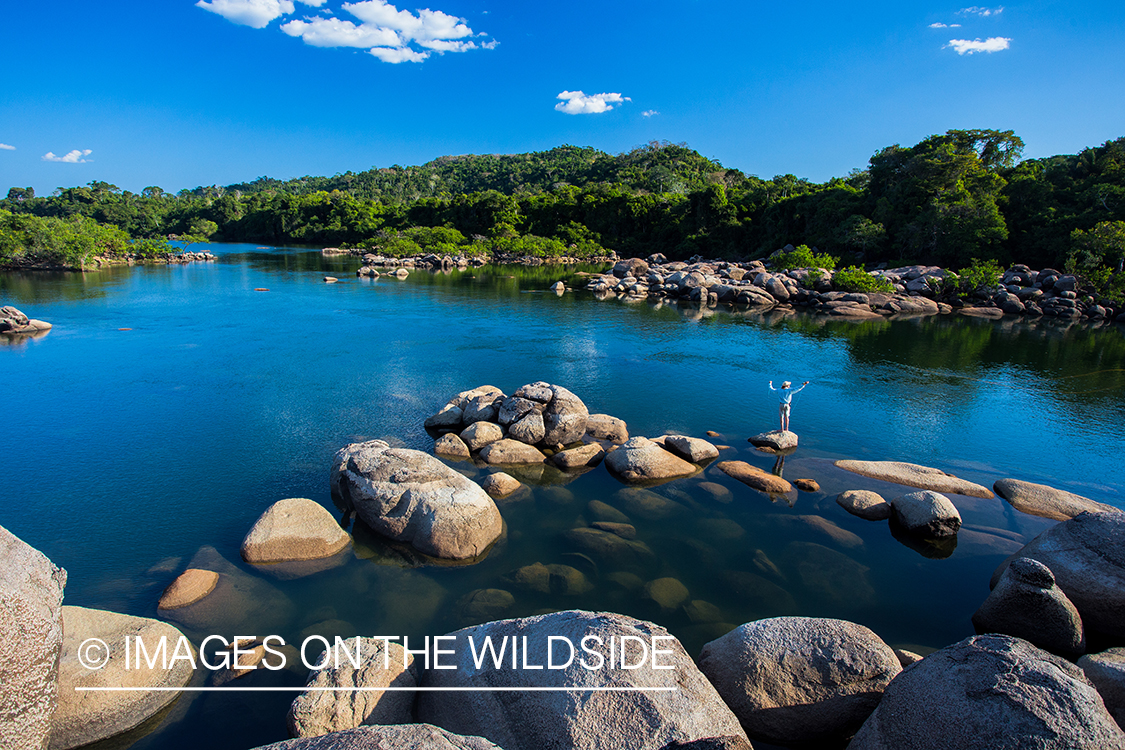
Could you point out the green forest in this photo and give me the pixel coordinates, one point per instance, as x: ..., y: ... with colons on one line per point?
x: 956, y: 197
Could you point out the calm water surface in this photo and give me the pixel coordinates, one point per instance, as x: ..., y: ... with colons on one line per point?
x: 127, y: 451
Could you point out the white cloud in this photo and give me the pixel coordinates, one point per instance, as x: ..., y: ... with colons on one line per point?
x: 398, y: 54
x: 428, y: 25
x: 74, y: 157
x: 649, y: 113
x: 440, y: 45
x: 332, y: 32
x: 254, y: 13
x: 6, y: 147
x: 313, y: 3
x: 983, y: 12
x: 940, y: 25
x: 992, y: 44
x: 578, y: 103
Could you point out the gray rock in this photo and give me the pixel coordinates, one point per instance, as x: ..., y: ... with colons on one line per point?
x: 381, y: 665
x: 514, y: 408
x: 641, y: 460
x: 452, y: 446
x: 605, y: 427
x: 913, y: 475
x: 577, y: 458
x: 31, y: 640
x: 691, y: 449
x: 611, y: 549
x: 85, y: 717
x: 479, y: 434
x: 480, y: 605
x: 12, y: 321
x: 600, y: 511
x: 798, y: 679
x: 1087, y: 557
x: 529, y: 429
x: 1041, y: 500
x: 865, y: 504
x: 450, y: 416
x: 1107, y: 672
x: 559, y: 580
x: 639, y: 720
x: 511, y: 452
x: 986, y: 692
x: 623, y: 530
x: 294, y: 529
x: 926, y: 513
x: 413, y: 497
x: 395, y: 737
x: 564, y: 417
x: 1027, y: 604
x: 779, y: 440
x: 483, y: 408
x: 500, y: 485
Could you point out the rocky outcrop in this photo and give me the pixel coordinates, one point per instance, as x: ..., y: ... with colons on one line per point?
x: 865, y: 504
x: 798, y: 679
x: 926, y: 513
x: 605, y: 427
x: 987, y: 692
x: 642, y: 460
x: 913, y: 475
x: 397, y: 737
x: 1087, y: 557
x: 639, y: 719
x: 83, y: 717
x: 1048, y: 502
x: 31, y: 641
x: 294, y: 529
x: 331, y: 706
x: 412, y: 497
x: 695, y: 450
x: 777, y: 440
x: 1027, y: 604
x: 14, y: 322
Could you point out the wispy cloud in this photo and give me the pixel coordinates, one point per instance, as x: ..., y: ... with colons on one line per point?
x: 939, y: 25
x: 649, y: 113
x: 254, y: 13
x: 6, y: 147
x: 389, y: 34
x: 982, y: 12
x: 992, y: 44
x: 74, y: 157
x: 578, y: 103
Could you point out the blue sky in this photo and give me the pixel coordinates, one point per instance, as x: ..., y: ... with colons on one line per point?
x: 177, y: 93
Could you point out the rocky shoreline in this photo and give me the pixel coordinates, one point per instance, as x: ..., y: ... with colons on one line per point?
x: 918, y: 290
x: 126, y: 259
x: 1046, y: 670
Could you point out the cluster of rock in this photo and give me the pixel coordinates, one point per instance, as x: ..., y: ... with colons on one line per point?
x: 15, y: 323
x: 918, y: 290
x: 541, y: 423
x: 374, y: 261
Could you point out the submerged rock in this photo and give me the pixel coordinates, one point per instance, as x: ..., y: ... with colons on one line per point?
x: 86, y: 717
x: 799, y: 679
x: 752, y: 476
x: 188, y: 588
x: 913, y: 475
x: 31, y: 641
x: 413, y: 497
x: 294, y: 529
x: 986, y: 692
x: 1041, y: 500
x: 639, y: 720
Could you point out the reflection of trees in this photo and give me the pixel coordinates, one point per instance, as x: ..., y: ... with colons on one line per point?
x: 54, y: 286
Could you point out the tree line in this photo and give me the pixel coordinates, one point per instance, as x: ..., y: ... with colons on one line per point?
x: 954, y: 197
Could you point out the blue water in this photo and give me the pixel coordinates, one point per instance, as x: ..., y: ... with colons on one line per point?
x: 128, y: 450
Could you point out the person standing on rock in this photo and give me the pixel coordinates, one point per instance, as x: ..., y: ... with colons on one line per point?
x: 786, y: 393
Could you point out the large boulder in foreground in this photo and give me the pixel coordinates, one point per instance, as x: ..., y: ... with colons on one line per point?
x: 987, y: 692
x: 800, y: 679
x: 295, y: 530
x: 331, y: 707
x: 400, y: 737
x: 412, y: 497
x: 88, y: 716
x: 913, y: 475
x: 31, y: 640
x: 1087, y: 557
x: 539, y: 720
x: 1041, y: 500
x: 642, y: 460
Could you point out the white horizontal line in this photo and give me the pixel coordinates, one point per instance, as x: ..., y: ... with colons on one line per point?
x: 375, y: 689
